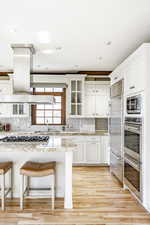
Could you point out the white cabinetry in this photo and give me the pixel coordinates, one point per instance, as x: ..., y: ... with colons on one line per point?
x: 133, y: 72
x: 96, y: 99
x: 91, y: 150
x: 134, y: 77
x: 20, y: 110
x: 5, y: 89
x: 11, y: 110
x: 79, y: 154
x: 105, y: 150
x: 75, y: 95
x: 116, y: 75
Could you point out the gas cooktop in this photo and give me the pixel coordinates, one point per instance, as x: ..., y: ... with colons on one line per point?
x: 25, y: 139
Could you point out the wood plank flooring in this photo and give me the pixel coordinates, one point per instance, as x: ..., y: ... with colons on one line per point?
x: 98, y: 199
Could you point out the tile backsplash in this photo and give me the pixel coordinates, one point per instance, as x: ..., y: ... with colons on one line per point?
x: 24, y: 124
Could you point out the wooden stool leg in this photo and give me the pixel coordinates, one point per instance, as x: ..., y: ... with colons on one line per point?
x: 28, y: 185
x: 3, y: 192
x: 21, y: 191
x: 53, y: 191
x: 11, y: 182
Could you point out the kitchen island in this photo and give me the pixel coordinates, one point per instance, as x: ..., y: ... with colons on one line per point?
x: 56, y: 149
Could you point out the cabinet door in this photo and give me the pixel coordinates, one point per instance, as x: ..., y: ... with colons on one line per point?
x: 20, y: 110
x: 116, y: 76
x: 78, y: 153
x: 76, y: 94
x: 134, y: 81
x: 102, y: 105
x: 92, y: 152
x: 5, y: 110
x: 102, y: 89
x: 105, y: 150
x: 90, y: 89
x: 90, y: 105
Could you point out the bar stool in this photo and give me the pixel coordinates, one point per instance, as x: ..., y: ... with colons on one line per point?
x: 4, y: 168
x: 36, y: 169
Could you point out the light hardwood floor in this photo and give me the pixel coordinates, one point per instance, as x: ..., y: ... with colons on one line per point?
x: 98, y: 199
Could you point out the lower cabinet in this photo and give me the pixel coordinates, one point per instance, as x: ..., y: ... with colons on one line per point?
x: 91, y: 150
x: 78, y: 154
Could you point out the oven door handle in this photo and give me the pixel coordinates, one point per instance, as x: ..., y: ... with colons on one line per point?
x: 134, y: 165
x: 135, y: 130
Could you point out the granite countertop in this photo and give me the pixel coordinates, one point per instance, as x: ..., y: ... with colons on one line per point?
x: 54, y: 144
x: 54, y: 133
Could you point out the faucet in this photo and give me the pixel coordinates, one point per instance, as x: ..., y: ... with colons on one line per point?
x: 48, y: 129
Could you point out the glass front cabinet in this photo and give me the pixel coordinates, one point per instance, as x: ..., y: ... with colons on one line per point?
x: 76, y: 95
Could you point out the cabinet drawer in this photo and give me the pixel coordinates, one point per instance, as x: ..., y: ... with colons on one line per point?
x: 93, y: 138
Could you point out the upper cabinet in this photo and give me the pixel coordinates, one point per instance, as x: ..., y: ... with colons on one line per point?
x: 20, y: 110
x: 11, y: 110
x: 134, y: 76
x: 5, y: 89
x: 96, y: 99
x: 132, y: 70
x: 75, y: 95
x: 116, y: 76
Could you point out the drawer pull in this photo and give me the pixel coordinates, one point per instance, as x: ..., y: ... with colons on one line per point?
x: 132, y: 87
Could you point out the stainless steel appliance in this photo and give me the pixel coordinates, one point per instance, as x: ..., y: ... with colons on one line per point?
x: 133, y: 104
x: 133, y: 155
x: 133, y: 175
x: 116, y: 130
x: 133, y: 137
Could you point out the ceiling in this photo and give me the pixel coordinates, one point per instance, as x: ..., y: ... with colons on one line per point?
x: 72, y: 35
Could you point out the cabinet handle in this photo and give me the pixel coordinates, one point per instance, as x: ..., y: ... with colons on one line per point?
x: 132, y: 87
x: 115, y: 78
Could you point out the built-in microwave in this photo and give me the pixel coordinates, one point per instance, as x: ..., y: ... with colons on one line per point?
x: 133, y: 104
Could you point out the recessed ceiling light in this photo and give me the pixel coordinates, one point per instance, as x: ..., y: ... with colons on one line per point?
x: 108, y: 43
x: 47, y: 51
x: 44, y: 37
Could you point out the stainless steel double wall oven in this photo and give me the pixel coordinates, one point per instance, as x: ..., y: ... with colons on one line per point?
x: 133, y: 155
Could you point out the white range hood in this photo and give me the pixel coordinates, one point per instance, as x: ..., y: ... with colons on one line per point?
x: 22, y: 62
